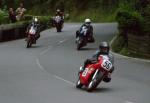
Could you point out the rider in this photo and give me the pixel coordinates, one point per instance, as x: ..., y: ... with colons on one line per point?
x: 60, y: 13
x: 103, y: 50
x: 36, y: 24
x: 87, y: 24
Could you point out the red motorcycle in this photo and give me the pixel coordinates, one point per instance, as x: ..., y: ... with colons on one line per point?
x: 31, y: 39
x: 94, y: 73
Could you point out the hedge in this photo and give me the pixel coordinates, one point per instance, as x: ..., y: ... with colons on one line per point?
x: 18, y: 29
x: 134, y: 27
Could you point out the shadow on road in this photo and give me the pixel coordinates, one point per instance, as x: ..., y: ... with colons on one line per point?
x: 98, y: 90
x: 35, y: 46
x: 103, y: 90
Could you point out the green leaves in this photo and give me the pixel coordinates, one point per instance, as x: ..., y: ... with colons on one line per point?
x: 130, y: 20
x: 3, y: 17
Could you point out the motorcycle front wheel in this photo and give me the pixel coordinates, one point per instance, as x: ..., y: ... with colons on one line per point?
x: 78, y: 84
x: 78, y: 46
x: 94, y: 83
x: 29, y: 43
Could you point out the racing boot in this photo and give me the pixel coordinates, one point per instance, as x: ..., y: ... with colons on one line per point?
x: 107, y: 78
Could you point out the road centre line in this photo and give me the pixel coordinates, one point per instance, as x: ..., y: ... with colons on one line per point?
x: 61, y: 41
x: 55, y: 76
x: 45, y: 51
x: 39, y: 65
x: 49, y: 47
x: 63, y: 80
x: 42, y: 68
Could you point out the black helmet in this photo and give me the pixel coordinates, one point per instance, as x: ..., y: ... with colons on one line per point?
x: 104, y: 48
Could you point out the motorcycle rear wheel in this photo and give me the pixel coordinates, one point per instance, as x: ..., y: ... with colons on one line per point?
x: 58, y: 28
x: 92, y: 40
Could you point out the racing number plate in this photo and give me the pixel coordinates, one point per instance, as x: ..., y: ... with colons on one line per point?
x: 107, y: 65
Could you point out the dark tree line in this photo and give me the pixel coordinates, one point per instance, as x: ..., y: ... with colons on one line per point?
x: 69, y: 4
x: 54, y: 3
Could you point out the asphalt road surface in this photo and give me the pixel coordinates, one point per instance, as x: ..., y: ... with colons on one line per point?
x: 47, y: 72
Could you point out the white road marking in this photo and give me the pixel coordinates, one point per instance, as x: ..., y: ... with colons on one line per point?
x: 55, y: 76
x: 39, y: 65
x: 46, y: 50
x: 128, y: 102
x: 63, y: 79
x: 62, y: 41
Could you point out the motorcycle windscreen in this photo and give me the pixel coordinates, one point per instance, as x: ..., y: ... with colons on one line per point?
x: 86, y: 75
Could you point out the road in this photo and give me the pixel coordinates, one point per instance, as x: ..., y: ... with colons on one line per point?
x: 47, y: 72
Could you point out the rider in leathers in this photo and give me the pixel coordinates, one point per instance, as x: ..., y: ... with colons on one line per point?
x: 37, y: 25
x: 103, y: 50
x: 87, y: 25
x: 60, y: 13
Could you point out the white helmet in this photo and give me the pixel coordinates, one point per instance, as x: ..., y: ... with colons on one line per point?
x: 58, y: 10
x: 87, y: 21
x: 35, y: 19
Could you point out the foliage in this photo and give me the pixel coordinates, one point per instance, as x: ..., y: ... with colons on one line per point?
x: 129, y: 22
x: 44, y: 21
x: 134, y: 19
x: 3, y: 17
x: 94, y: 15
x: 98, y: 10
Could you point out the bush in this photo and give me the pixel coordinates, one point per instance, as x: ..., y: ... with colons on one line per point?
x: 129, y: 21
x: 3, y: 17
x: 44, y: 22
x: 133, y: 22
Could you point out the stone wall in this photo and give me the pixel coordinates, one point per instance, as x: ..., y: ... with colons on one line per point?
x: 139, y: 45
